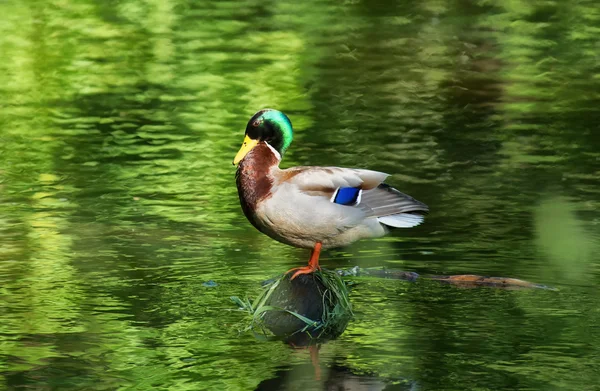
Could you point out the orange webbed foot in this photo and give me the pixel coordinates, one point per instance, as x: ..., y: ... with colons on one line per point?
x: 313, y: 263
x: 303, y: 270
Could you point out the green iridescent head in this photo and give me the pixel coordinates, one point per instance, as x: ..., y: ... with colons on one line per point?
x: 267, y: 125
x: 273, y: 127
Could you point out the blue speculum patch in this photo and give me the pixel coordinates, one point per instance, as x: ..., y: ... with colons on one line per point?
x: 347, y: 195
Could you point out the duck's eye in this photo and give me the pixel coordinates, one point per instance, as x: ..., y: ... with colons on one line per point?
x: 256, y: 123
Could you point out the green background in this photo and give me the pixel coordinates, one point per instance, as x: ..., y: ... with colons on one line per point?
x: 118, y: 124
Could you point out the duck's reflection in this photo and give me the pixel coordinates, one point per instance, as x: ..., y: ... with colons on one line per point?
x: 303, y: 312
x: 311, y: 309
x: 337, y: 377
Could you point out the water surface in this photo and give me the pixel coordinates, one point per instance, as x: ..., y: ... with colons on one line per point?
x: 118, y: 124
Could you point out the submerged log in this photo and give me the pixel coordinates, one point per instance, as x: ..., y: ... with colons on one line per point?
x: 463, y: 280
x: 315, y: 307
x: 473, y: 281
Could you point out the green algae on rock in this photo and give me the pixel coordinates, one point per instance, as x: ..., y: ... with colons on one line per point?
x: 310, y: 307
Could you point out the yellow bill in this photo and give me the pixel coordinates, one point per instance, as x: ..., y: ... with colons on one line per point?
x: 246, y: 147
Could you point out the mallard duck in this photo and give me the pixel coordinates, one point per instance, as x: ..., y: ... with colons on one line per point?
x: 313, y: 207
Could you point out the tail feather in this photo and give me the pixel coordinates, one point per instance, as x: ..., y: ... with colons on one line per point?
x: 401, y: 220
x: 392, y: 207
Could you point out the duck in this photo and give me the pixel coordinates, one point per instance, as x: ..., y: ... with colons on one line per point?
x: 313, y: 207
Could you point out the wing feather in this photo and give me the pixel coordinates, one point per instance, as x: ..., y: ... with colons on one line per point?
x: 331, y: 178
x: 392, y: 207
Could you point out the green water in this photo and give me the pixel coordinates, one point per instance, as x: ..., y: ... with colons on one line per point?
x: 118, y: 124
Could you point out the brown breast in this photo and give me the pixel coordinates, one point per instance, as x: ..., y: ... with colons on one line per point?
x: 253, y: 179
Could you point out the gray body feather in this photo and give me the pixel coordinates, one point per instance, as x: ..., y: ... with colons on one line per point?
x: 300, y: 211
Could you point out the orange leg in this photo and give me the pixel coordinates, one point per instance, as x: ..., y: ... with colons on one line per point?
x: 313, y: 263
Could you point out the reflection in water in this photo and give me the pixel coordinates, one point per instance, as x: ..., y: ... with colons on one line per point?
x: 304, y: 311
x: 313, y: 309
x: 117, y: 196
x: 335, y: 378
x: 307, y: 312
